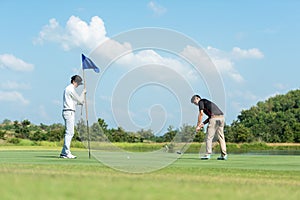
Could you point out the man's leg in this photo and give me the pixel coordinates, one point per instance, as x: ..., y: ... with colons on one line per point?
x: 210, y: 135
x: 69, y: 117
x: 221, y: 137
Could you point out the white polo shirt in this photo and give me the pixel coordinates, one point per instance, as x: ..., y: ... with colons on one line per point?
x: 71, y: 98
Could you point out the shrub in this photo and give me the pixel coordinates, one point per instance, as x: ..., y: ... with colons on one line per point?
x: 2, y: 134
x: 14, y: 140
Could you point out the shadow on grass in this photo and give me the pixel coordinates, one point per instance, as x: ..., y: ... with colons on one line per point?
x: 188, y: 158
x: 47, y: 156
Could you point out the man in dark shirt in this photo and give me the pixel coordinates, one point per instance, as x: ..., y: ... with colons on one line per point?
x: 215, y: 122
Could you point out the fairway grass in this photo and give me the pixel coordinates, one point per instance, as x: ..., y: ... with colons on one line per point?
x: 40, y: 174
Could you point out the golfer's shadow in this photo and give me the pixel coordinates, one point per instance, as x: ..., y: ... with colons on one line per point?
x: 187, y: 158
x: 52, y: 156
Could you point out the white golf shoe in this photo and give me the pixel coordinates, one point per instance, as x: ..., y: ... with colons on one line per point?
x: 68, y: 156
x: 223, y: 157
x: 205, y: 157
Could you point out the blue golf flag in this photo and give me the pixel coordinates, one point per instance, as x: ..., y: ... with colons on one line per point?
x: 88, y: 64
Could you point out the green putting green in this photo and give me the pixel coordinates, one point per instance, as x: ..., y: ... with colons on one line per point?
x: 39, y: 174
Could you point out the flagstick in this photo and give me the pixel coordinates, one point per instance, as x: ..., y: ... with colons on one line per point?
x: 86, y: 115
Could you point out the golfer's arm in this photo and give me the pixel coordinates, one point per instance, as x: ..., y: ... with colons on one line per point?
x: 200, y: 117
x: 76, y: 97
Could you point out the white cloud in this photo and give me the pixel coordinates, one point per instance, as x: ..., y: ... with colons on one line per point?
x: 76, y: 33
x: 157, y: 9
x: 253, y: 53
x: 13, y: 97
x: 212, y: 62
x: 245, y: 95
x: 12, y: 85
x: 226, y: 67
x: 11, y: 62
x: 151, y: 57
x: 112, y: 49
x: 216, y: 53
x: 224, y: 61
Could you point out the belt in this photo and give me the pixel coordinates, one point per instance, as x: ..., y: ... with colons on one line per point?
x: 216, y: 116
x: 68, y: 110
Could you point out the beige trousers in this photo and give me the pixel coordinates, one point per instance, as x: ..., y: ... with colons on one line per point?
x: 215, y: 126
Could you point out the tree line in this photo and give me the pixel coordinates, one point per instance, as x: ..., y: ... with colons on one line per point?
x: 98, y: 131
x: 275, y: 120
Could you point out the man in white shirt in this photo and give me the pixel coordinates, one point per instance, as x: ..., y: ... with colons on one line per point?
x: 70, y: 99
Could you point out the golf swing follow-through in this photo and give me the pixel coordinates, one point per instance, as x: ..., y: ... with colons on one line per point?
x: 215, y: 126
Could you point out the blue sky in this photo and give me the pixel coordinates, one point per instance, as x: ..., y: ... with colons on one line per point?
x: 253, y: 45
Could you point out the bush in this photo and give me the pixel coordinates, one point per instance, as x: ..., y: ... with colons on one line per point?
x: 38, y: 136
x: 26, y: 142
x: 139, y: 147
x: 77, y: 144
x: 48, y: 144
x: 2, y: 134
x: 14, y: 140
x: 56, y: 135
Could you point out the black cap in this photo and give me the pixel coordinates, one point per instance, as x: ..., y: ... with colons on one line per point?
x: 77, y: 79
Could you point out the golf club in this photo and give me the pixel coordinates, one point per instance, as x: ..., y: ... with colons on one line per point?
x: 170, y: 147
x: 182, y: 148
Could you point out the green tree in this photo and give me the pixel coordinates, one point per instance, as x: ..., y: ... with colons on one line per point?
x: 170, y: 134
x: 2, y: 134
x: 274, y: 120
x: 38, y: 136
x: 187, y: 132
x: 6, y: 121
x: 238, y: 133
x: 146, y: 134
x: 56, y: 132
x: 22, y: 129
x: 82, y: 130
x: 103, y: 125
x: 199, y: 136
x: 118, y: 135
